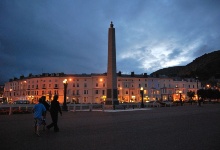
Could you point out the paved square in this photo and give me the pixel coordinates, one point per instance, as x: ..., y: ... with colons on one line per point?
x: 165, y: 128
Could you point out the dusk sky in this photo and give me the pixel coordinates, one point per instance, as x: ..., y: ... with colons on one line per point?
x: 71, y: 36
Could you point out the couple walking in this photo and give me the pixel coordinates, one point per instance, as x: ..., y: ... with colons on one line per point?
x: 40, y: 113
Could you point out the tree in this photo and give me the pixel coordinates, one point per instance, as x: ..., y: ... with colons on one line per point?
x: 202, y: 93
x: 190, y: 94
x: 209, y: 94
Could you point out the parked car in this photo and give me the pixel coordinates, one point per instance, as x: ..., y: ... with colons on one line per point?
x: 21, y: 102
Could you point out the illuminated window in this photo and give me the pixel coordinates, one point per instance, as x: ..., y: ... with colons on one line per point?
x: 84, y: 99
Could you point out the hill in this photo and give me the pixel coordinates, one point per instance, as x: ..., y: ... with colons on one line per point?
x: 205, y: 67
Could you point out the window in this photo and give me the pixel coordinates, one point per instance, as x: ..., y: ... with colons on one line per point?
x: 77, y: 85
x: 85, y: 84
x: 96, y: 91
x: 55, y: 92
x: 103, y: 84
x: 96, y: 84
x: 85, y: 91
x: 74, y: 92
x: 84, y: 99
x: 74, y: 85
x: 103, y: 92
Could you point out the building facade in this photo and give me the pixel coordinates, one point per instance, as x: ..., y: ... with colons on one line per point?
x: 92, y: 88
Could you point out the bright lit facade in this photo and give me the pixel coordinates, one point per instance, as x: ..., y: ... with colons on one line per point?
x: 91, y: 88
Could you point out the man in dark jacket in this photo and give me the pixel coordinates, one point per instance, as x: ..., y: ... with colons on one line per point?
x: 47, y: 106
x: 54, y: 110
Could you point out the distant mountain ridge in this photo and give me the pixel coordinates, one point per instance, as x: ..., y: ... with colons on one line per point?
x: 205, y: 67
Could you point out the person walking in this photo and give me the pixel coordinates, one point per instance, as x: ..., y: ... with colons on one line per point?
x: 54, y: 110
x: 38, y: 111
x: 47, y: 106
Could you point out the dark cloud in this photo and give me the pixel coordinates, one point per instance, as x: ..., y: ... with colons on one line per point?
x: 71, y: 36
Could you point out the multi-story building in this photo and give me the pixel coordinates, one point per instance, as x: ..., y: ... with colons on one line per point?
x: 92, y: 88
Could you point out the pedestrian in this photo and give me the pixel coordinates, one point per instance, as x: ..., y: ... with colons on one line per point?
x: 47, y: 106
x: 38, y: 111
x: 54, y: 110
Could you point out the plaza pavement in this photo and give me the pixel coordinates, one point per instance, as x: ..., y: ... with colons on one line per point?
x: 165, y: 128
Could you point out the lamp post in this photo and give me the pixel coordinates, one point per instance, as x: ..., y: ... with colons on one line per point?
x: 142, y: 97
x: 65, y: 83
x: 181, y: 102
x: 199, y: 103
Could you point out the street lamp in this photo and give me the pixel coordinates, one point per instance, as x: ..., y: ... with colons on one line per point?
x: 65, y: 83
x: 199, y: 102
x: 181, y: 102
x: 142, y: 97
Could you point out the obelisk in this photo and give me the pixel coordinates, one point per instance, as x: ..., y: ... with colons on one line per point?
x: 112, y: 93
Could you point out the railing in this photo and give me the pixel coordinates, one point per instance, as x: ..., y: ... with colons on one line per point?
x: 16, y: 108
x: 27, y: 108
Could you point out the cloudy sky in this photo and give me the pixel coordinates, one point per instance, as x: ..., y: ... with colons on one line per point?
x: 70, y: 36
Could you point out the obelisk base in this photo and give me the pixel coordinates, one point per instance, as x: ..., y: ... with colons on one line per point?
x: 110, y: 105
